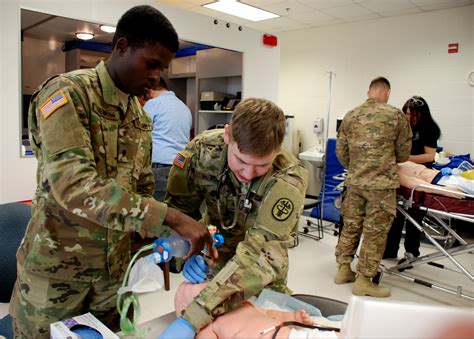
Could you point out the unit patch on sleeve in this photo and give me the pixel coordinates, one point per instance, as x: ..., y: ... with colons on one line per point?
x: 180, y: 160
x: 55, y: 101
x: 282, y: 209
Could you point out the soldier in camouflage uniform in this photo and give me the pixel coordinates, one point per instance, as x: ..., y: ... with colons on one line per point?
x: 239, y: 180
x: 371, y: 140
x: 92, y: 141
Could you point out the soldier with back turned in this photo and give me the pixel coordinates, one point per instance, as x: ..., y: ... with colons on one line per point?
x: 371, y: 140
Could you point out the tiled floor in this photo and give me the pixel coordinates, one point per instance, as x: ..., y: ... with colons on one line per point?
x: 313, y: 267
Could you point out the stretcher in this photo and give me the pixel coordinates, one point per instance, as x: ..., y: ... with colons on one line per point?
x: 440, y: 213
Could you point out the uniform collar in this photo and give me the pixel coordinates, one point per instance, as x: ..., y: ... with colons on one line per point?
x: 111, y: 93
x: 374, y: 99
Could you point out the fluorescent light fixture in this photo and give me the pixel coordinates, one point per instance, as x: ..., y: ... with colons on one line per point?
x: 84, y: 36
x: 107, y: 29
x: 241, y: 10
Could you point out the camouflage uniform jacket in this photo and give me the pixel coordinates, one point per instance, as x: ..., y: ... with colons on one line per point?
x: 93, y: 146
x: 255, y: 252
x: 371, y: 140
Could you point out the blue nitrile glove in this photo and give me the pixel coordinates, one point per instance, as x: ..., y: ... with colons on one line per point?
x: 446, y: 171
x: 180, y: 328
x: 195, y: 269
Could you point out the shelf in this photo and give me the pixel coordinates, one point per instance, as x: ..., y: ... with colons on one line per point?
x: 212, y: 111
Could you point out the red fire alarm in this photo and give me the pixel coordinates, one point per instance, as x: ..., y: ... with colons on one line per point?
x: 453, y: 48
x: 270, y: 40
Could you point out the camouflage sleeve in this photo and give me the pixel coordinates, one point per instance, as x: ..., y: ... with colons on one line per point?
x: 260, y: 259
x: 182, y: 193
x: 70, y: 168
x: 403, y: 142
x: 342, y: 146
x: 146, y: 181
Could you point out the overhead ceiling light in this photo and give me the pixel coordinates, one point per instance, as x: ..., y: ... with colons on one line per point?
x: 84, y: 36
x: 107, y: 29
x: 236, y: 8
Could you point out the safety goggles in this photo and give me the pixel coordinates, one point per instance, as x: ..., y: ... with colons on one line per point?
x: 416, y: 102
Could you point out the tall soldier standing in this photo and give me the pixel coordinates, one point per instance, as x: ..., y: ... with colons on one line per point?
x: 371, y: 140
x: 93, y: 144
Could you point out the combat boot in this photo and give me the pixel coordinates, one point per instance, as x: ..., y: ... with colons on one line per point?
x: 344, y: 274
x: 364, y: 286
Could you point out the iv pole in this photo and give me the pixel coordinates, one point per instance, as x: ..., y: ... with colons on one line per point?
x: 324, y: 144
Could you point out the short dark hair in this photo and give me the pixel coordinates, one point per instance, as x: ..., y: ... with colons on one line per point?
x: 258, y: 126
x: 380, y: 81
x: 144, y: 24
x: 162, y: 84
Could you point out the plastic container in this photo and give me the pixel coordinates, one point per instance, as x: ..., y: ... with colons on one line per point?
x: 467, y: 170
x: 466, y: 166
x: 166, y: 248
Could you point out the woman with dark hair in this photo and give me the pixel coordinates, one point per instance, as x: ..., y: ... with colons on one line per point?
x: 426, y: 132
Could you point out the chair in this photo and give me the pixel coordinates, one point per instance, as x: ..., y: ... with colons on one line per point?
x: 327, y: 306
x: 14, y: 218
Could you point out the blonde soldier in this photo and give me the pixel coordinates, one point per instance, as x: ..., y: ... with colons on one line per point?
x: 93, y: 144
x: 254, y: 193
x: 371, y: 140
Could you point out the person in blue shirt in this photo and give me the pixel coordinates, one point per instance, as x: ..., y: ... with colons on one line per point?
x: 172, y: 122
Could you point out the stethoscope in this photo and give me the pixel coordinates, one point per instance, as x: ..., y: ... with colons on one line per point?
x: 247, y: 204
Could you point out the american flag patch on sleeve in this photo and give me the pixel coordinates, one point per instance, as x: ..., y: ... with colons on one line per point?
x: 55, y: 101
x: 180, y: 160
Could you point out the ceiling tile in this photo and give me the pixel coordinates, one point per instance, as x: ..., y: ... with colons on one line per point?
x: 260, y: 3
x: 322, y: 4
x: 386, y: 5
x: 422, y: 3
x: 407, y: 11
x: 288, y: 8
x: 283, y: 23
x: 347, y: 11
x: 361, y: 18
x: 195, y: 2
x: 313, y: 17
x: 178, y: 4
x: 444, y: 5
x: 315, y: 13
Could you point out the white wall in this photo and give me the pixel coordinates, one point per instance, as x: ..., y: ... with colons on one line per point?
x: 17, y: 175
x: 411, y: 51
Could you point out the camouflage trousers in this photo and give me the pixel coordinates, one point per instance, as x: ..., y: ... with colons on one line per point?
x: 37, y: 301
x: 369, y: 213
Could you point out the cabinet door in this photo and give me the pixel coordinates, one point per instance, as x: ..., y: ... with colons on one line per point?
x: 183, y: 67
x: 217, y: 62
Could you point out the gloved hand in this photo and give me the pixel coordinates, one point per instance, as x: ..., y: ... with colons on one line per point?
x: 180, y: 328
x: 446, y: 171
x: 195, y: 269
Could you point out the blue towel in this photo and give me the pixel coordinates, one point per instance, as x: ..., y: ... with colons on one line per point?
x: 455, y: 161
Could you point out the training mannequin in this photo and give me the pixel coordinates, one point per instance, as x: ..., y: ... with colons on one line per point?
x: 246, y: 321
x: 413, y: 174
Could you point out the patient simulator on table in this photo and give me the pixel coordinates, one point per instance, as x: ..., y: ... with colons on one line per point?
x: 254, y: 319
x: 413, y: 174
